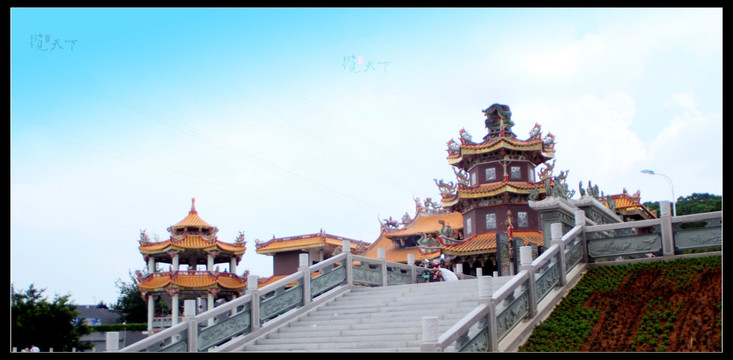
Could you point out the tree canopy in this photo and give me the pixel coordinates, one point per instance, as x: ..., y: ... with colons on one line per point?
x: 693, y: 204
x: 130, y: 304
x: 36, y: 321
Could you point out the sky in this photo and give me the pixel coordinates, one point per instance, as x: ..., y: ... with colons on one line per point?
x: 284, y: 122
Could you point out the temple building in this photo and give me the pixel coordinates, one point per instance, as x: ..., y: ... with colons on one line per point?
x: 193, y: 243
x: 401, y: 239
x: 286, y: 251
x: 629, y: 207
x: 495, y: 179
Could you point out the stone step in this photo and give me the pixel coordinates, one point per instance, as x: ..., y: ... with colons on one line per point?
x: 376, y: 319
x: 338, y: 338
x: 350, y: 325
x: 317, y: 333
x: 355, y: 346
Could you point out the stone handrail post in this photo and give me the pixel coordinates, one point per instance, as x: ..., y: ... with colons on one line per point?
x: 383, y: 265
x: 348, y: 262
x: 252, y: 288
x: 303, y: 266
x: 430, y: 333
x: 667, y: 237
x: 556, y: 234
x: 525, y: 256
x: 413, y: 270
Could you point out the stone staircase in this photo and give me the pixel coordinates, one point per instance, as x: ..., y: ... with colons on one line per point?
x: 387, y: 319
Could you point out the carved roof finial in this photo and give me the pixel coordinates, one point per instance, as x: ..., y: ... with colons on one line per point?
x: 193, y: 206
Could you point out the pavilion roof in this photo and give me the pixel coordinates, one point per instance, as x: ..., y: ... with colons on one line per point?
x: 192, y: 220
x: 394, y: 253
x: 191, y: 280
x: 486, y: 243
x: 494, y: 144
x: 493, y: 189
x: 292, y: 243
x: 428, y: 223
x: 192, y: 243
x: 628, y: 203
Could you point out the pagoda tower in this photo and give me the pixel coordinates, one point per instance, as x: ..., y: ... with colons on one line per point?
x: 193, y: 243
x: 496, y: 178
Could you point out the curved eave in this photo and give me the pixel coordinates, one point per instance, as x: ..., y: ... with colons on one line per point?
x: 493, y: 189
x: 192, y: 243
x: 485, y: 243
x: 197, y: 281
x: 428, y: 223
x: 289, y: 247
x: 305, y: 242
x: 394, y: 253
x: 501, y: 143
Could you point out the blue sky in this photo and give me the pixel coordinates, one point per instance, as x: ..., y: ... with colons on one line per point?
x: 258, y: 115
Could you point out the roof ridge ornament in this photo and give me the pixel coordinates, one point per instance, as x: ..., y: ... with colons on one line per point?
x: 193, y: 206
x: 498, y: 120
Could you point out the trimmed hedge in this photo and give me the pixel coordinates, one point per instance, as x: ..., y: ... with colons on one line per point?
x: 119, y: 327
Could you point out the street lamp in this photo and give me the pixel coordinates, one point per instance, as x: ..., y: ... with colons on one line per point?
x: 651, y: 172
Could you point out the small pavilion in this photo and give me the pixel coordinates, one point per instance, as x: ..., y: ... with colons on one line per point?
x: 193, y: 244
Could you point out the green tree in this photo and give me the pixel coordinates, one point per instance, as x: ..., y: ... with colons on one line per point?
x: 36, y: 321
x: 692, y: 204
x: 130, y: 304
x: 698, y: 203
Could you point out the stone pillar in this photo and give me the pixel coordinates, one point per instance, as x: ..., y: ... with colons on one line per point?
x: 303, y: 264
x: 485, y: 287
x: 303, y: 261
x: 254, y: 310
x: 233, y: 265
x: 189, y: 308
x: 151, y: 264
x: 525, y: 257
x: 151, y: 312
x: 210, y: 260
x: 113, y: 340
x: 209, y: 306
x: 174, y: 308
x: 413, y: 270
x: 175, y: 262
x: 556, y: 233
x: 458, y: 269
x: 430, y: 333
x: 348, y: 263
x: 381, y: 256
x: 666, y: 227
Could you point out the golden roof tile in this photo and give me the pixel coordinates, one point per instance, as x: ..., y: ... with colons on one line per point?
x: 486, y: 243
x: 192, y: 220
x: 484, y: 190
x: 316, y: 240
x: 393, y: 253
x: 429, y: 223
x: 192, y: 243
x: 191, y: 280
x: 499, y: 143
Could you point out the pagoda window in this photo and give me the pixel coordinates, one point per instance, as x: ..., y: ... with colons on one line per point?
x: 515, y: 172
x: 469, y: 228
x: 491, y: 221
x: 522, y: 220
x: 490, y: 174
x: 473, y: 178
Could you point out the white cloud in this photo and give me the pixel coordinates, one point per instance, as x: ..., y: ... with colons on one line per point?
x: 593, y: 139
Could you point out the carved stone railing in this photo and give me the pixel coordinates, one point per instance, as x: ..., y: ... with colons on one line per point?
x: 506, y: 317
x: 531, y: 292
x: 666, y: 236
x: 263, y: 309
